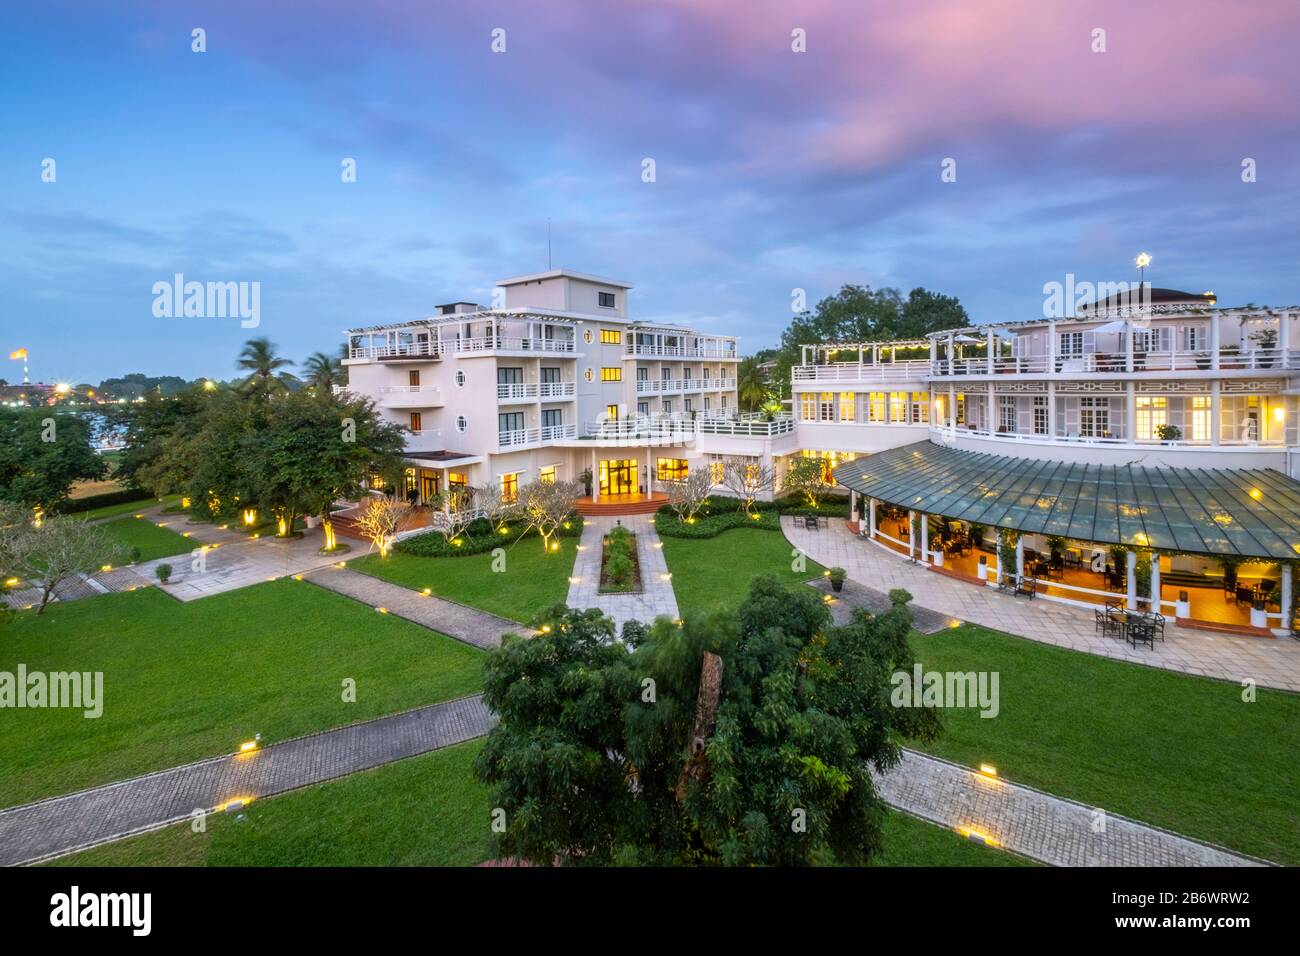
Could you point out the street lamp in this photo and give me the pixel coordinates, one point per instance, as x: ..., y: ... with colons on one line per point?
x: 1142, y: 261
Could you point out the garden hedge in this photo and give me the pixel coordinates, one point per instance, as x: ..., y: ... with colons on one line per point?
x: 91, y: 502
x: 720, y: 513
x: 479, y: 537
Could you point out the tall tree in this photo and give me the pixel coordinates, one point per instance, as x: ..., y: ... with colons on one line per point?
x: 41, y: 454
x: 323, y: 372
x: 743, y: 739
x: 263, y: 365
x: 751, y: 390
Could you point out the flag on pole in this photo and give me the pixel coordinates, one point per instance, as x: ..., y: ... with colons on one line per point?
x: 18, y: 354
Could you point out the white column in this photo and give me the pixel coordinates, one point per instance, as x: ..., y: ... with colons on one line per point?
x: 853, y: 505
x: 1286, y: 596
x: 1051, y: 409
x: 1128, y: 345
x: 994, y: 412
x: 649, y: 473
x: 989, y: 348
x: 1130, y: 412
x: 952, y: 406
x: 1155, y: 582
x: 595, y: 478
x: 1051, y: 348
x: 1131, y: 580
x: 1214, y: 339
x: 925, y: 539
x: 951, y: 358
x: 871, y: 526
x: 911, y: 538
x: 1215, y: 407
x: 934, y: 351
x: 1020, y: 557
x: 997, y: 551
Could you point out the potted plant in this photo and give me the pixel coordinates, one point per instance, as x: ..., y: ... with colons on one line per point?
x: 1168, y: 434
x: 1229, y: 565
x: 1265, y: 340
x: 1229, y: 352
x: 977, y: 535
x: 837, y: 576
x: 585, y: 478
x: 1056, y: 545
x: 164, y: 573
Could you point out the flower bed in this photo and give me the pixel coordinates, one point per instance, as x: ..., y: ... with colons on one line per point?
x: 620, y: 570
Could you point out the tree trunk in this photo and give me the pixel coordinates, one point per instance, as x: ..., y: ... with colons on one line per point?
x: 706, y: 715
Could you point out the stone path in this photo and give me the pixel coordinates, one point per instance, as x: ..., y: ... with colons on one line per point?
x: 854, y: 595
x: 656, y: 598
x: 1269, y: 662
x: 446, y: 617
x: 1035, y: 824
x: 60, y: 825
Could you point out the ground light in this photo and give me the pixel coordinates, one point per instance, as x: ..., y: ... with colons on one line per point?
x: 977, y: 836
x: 988, y: 770
x: 248, y: 746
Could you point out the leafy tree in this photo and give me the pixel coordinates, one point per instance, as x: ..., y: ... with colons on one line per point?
x: 751, y: 390
x: 807, y: 477
x: 323, y: 372
x: 41, y: 454
x: 259, y: 359
x: 742, y: 739
x: 150, y: 423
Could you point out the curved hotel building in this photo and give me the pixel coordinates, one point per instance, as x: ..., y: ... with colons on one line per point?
x: 1144, y: 456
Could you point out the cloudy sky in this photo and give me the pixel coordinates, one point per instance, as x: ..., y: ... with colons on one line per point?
x: 775, y: 170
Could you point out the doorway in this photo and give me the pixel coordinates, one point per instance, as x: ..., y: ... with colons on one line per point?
x: 618, y: 477
x: 428, y: 487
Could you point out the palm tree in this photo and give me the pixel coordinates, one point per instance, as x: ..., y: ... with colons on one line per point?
x: 323, y: 372
x: 750, y: 387
x: 259, y: 358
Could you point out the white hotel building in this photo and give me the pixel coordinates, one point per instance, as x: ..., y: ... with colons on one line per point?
x: 556, y: 382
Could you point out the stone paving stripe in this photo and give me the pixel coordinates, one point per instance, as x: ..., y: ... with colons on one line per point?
x: 60, y: 825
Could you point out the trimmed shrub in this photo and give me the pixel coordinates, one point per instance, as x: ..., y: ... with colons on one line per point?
x: 479, y: 537
x: 77, y: 505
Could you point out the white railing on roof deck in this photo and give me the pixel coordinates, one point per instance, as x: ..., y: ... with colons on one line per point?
x: 507, y: 343
x: 867, y: 372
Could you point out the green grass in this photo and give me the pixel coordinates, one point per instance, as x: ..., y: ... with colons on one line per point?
x: 126, y: 508
x: 530, y: 582
x: 1182, y: 752
x: 425, y: 811
x: 714, y: 573
x: 153, y: 541
x: 186, y: 681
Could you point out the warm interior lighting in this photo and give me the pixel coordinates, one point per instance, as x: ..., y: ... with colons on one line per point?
x: 1279, y: 414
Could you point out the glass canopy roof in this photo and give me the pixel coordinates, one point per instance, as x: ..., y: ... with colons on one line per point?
x: 1251, y: 513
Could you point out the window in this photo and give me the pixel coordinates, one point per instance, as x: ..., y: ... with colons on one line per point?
x: 920, y: 408
x: 462, y: 423
x: 510, y: 422
x: 611, y: 374
x: 413, y: 378
x: 642, y: 373
x: 510, y: 486
x: 1040, y: 414
x: 686, y: 404
x: 552, y: 417
x: 611, y: 411
x: 846, y: 407
x: 1006, y: 413
x: 546, y: 474
x: 1200, y: 424
x: 876, y: 407
x: 460, y: 379
x: 826, y: 407
x: 415, y: 421
x: 724, y: 403
x: 605, y: 300
x: 408, y: 481
x: 898, y: 407
x: 510, y: 376
x: 666, y: 374
x: 1071, y: 343
x: 1094, y: 417
x: 643, y: 408
x: 671, y: 469
x: 717, y: 466
x: 550, y: 376
x: 1152, y: 412
x: 706, y: 403
x: 611, y: 336
x: 456, y: 479
x: 377, y: 482
x: 668, y: 406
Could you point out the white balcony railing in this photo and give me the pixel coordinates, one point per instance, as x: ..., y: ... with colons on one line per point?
x: 505, y: 343
x: 649, y: 386
x: 535, y: 391
x: 746, y: 427
x: 642, y: 428
x: 1175, y: 360
x: 410, y: 396
x: 849, y: 372
x: 525, y: 437
x: 681, y: 351
x: 1113, y: 437
x: 422, y: 437
x: 406, y: 350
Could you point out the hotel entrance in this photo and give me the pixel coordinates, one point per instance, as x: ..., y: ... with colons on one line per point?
x: 428, y: 486
x: 618, y: 477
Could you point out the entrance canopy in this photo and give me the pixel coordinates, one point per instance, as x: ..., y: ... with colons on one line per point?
x: 1245, y: 513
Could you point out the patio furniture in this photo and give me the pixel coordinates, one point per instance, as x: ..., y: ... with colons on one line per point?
x: 1108, y: 624
x: 1056, y: 568
x: 1027, y: 587
x: 810, y: 523
x: 1073, y: 559
x: 1245, y: 595
x: 1139, y: 630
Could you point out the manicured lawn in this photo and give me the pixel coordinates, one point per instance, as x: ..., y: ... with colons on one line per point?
x: 1181, y: 752
x: 128, y: 508
x: 186, y: 681
x: 425, y: 811
x: 530, y: 582
x: 153, y: 541
x: 714, y: 573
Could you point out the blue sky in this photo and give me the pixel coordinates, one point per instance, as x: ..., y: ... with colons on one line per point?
x: 775, y: 170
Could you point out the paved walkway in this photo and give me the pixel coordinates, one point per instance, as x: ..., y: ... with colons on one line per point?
x: 1035, y: 824
x: 1269, y: 662
x: 854, y: 595
x: 446, y: 617
x: 656, y: 598
x: 60, y: 825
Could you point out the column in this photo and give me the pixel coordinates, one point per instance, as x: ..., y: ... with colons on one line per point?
x: 1051, y: 348
x: 1214, y: 339
x: 1286, y: 596
x: 1128, y: 345
x: 951, y: 358
x: 649, y: 473
x: 952, y: 407
x: 911, y: 538
x: 1130, y: 412
x: 871, y: 526
x: 994, y: 417
x: 1051, y: 409
x: 595, y: 479
x: 1131, y: 580
x: 997, y: 551
x: 925, y: 539
x: 1155, y: 582
x: 1020, y: 557
x: 989, y: 339
x: 934, y: 352
x: 853, y: 506
x: 1215, y: 405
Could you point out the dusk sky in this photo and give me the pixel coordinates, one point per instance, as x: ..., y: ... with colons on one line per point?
x: 775, y: 170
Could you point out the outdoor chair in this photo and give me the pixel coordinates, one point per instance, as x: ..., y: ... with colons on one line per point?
x: 1140, y: 632
x: 1027, y: 587
x: 1158, y: 625
x: 1245, y: 595
x: 810, y: 523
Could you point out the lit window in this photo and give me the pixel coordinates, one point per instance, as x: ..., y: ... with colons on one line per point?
x: 1200, y: 418
x: 826, y: 407
x: 547, y: 475
x: 456, y: 480
x: 876, y: 407
x: 846, y: 407
x: 808, y: 407
x: 611, y: 411
x: 611, y: 337
x: 671, y: 469
x: 415, y: 421
x: 611, y: 374
x: 510, y: 487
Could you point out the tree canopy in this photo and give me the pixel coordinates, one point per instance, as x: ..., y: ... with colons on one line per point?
x: 599, y: 757
x: 42, y: 452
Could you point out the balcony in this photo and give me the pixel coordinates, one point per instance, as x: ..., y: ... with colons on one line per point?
x: 410, y: 396
x: 421, y: 351
x: 641, y: 429
x: 910, y: 371
x: 424, y: 439
x: 1176, y: 360
x: 1109, y: 438
x: 537, y: 391
x: 513, y: 345
x: 681, y: 351
x: 533, y: 437
x: 746, y: 427
x: 648, y: 386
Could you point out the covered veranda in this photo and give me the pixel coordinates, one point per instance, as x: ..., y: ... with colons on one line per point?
x: 1205, y: 547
